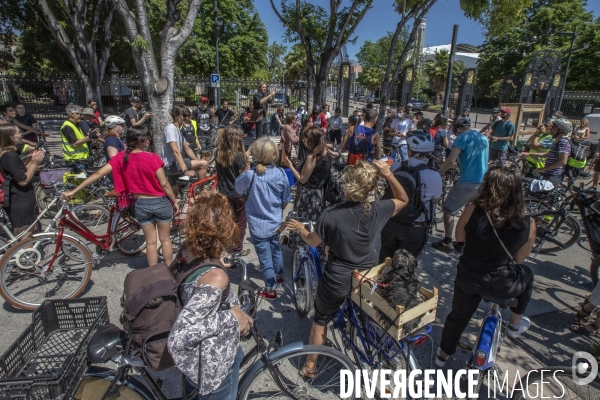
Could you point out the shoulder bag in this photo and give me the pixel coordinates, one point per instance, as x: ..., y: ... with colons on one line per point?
x: 247, y: 191
x: 512, y: 259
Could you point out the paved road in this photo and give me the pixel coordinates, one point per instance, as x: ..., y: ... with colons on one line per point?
x: 556, y: 293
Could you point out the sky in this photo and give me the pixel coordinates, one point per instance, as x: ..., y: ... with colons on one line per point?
x: 382, y: 18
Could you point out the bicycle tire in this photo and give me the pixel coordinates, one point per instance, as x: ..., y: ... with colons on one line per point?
x: 94, y: 387
x: 383, y: 358
x: 595, y: 270
x: 18, y: 269
x: 558, y: 383
x: 266, y: 387
x: 301, y: 278
x: 554, y: 221
x: 94, y: 217
x: 134, y: 241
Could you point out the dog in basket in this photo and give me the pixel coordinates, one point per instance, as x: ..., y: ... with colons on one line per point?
x: 402, y: 286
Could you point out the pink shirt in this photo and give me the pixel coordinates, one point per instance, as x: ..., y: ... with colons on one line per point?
x: 138, y: 174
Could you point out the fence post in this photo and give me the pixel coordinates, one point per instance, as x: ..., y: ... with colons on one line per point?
x: 115, y: 84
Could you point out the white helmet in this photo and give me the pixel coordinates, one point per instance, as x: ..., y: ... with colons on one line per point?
x: 302, y: 103
x: 420, y: 142
x: 113, y: 120
x: 563, y: 124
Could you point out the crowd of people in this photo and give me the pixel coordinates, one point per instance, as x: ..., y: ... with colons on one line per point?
x: 494, y: 233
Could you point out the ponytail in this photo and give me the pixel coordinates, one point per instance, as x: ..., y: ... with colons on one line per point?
x: 127, y: 151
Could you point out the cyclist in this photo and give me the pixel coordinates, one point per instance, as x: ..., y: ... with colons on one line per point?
x: 97, y: 115
x: 139, y: 173
x: 493, y: 118
x: 497, y: 233
x: 9, y: 115
x: 301, y: 111
x: 114, y: 131
x: 189, y: 130
x: 29, y: 121
x: 205, y: 338
x: 260, y: 103
x: 558, y: 155
x: 74, y: 142
x: 401, y: 232
x: 132, y: 116
x: 318, y: 119
x: 349, y: 230
x: 361, y: 141
x: 312, y: 176
x: 335, y: 124
x: 288, y: 136
x: 231, y: 161
x: 203, y: 116
x: 502, y: 132
x: 541, y: 142
x: 440, y: 139
x: 19, y: 195
x: 268, y: 192
x: 277, y: 122
x: 401, y: 129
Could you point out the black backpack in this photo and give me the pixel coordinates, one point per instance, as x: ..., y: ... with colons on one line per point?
x: 410, y: 179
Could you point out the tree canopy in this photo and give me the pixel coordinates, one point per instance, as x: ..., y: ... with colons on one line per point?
x: 436, y: 70
x: 373, y: 58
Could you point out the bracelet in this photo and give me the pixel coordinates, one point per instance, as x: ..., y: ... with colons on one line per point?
x: 185, y: 170
x: 388, y: 177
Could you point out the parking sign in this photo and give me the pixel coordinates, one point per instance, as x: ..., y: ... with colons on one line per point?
x: 215, y: 80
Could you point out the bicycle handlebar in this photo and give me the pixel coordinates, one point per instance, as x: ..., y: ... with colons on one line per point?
x: 545, y: 234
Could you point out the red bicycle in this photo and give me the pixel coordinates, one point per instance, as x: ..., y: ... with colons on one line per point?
x: 58, y: 265
x: 190, y: 190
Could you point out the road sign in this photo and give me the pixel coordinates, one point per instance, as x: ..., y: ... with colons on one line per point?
x: 215, y: 80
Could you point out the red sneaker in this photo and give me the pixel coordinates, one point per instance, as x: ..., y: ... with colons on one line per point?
x: 279, y: 281
x: 264, y: 293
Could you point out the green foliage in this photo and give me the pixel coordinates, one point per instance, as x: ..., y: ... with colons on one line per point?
x: 436, y: 70
x: 510, y: 53
x: 499, y: 16
x: 275, y: 54
x: 140, y: 43
x: 373, y: 57
x: 295, y: 64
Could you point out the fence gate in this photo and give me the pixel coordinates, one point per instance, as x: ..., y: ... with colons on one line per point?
x: 465, y: 91
x: 541, y: 84
x: 405, y: 85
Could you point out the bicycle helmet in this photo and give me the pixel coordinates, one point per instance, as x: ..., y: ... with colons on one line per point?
x: 316, y: 108
x: 564, y: 124
x: 496, y: 110
x: 113, y: 120
x: 354, y: 120
x: 420, y: 142
x: 338, y: 110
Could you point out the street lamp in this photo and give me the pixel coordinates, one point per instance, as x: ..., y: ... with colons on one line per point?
x: 283, y: 76
x: 570, y: 51
x: 218, y: 26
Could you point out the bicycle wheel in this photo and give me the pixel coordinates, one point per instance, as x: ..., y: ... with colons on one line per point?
x: 21, y: 283
x: 557, y: 383
x: 130, y: 237
x: 563, y: 228
x: 323, y: 386
x: 301, y: 284
x: 93, y: 388
x: 94, y: 217
x: 43, y: 200
x: 377, y: 350
x: 513, y: 165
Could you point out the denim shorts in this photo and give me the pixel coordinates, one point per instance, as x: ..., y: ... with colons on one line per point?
x: 149, y: 210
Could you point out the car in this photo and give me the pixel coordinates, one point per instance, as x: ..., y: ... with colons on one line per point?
x: 417, y: 104
x: 370, y: 98
x: 359, y: 97
x: 281, y: 99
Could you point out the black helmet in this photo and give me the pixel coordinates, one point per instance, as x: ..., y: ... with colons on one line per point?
x: 338, y: 110
x: 316, y: 108
x: 354, y: 120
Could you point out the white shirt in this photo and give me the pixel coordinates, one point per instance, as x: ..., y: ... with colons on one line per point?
x: 402, y: 126
x: 327, y: 115
x: 431, y: 182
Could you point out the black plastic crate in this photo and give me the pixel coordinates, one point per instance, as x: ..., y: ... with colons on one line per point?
x: 49, y: 358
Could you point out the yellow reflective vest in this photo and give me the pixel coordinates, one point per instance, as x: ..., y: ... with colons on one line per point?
x: 74, y: 153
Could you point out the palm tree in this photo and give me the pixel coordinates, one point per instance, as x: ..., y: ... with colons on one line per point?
x: 436, y: 70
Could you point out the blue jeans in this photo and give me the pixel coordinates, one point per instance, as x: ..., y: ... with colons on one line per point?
x: 269, y: 255
x: 229, y: 386
x: 402, y: 151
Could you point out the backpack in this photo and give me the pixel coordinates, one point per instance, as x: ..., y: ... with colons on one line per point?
x: 410, y: 178
x: 361, y: 141
x: 333, y: 192
x: 577, y: 158
x: 151, y: 305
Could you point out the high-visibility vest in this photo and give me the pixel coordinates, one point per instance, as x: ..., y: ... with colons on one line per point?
x: 540, y: 162
x: 71, y: 153
x: 195, y: 126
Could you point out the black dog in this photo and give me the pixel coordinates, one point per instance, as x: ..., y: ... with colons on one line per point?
x: 402, y: 286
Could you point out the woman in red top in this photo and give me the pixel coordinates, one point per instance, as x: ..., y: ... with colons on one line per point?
x: 138, y: 172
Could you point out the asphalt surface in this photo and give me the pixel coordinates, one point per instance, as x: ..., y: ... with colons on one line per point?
x: 548, y: 342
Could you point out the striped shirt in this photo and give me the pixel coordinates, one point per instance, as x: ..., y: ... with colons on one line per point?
x: 562, y: 146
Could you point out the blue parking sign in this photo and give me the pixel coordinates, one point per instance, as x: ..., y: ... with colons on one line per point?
x: 215, y: 80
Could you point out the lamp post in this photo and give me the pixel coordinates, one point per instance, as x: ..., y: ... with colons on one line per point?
x: 218, y: 26
x: 570, y: 51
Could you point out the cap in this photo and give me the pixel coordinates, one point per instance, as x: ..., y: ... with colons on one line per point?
x: 134, y: 99
x: 506, y: 110
x: 496, y: 109
x: 338, y: 110
x: 87, y: 111
x: 204, y: 99
x: 467, y: 109
x: 464, y: 123
x: 409, y: 105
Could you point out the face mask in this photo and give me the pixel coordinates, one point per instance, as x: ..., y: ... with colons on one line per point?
x: 301, y: 108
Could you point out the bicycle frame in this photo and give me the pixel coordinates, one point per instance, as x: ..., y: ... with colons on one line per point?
x: 489, y: 341
x: 190, y: 196
x: 310, y: 254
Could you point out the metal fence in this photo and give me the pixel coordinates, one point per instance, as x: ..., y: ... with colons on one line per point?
x: 47, y: 97
x: 578, y: 104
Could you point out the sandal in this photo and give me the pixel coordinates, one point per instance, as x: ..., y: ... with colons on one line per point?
x: 582, y: 314
x: 305, y: 373
x: 580, y: 329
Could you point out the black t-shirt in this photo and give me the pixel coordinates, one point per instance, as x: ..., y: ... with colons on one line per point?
x: 320, y: 173
x: 189, y: 135
x: 202, y: 117
x: 258, y: 96
x: 350, y: 242
x: 113, y: 141
x: 227, y: 175
x: 224, y: 116
x: 28, y: 120
x: 14, y: 168
x: 130, y: 113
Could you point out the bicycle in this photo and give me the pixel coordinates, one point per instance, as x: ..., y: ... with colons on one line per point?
x: 268, y: 373
x: 59, y: 265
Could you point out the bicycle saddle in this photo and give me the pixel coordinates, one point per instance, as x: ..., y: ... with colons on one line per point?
x: 91, y: 170
x: 504, y: 303
x: 106, y: 342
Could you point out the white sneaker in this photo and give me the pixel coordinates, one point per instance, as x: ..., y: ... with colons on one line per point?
x: 439, y: 360
x: 523, y: 326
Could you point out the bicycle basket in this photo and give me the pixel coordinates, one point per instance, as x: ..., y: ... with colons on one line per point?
x: 49, y: 358
x: 372, y: 304
x: 50, y: 176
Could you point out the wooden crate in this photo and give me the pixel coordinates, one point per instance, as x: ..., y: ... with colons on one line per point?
x: 369, y: 301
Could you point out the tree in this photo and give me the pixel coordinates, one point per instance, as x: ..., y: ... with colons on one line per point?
x: 275, y: 53
x: 295, y: 64
x: 509, y: 53
x: 321, y: 34
x: 157, y: 74
x: 436, y: 70
x: 372, y: 57
x: 80, y: 28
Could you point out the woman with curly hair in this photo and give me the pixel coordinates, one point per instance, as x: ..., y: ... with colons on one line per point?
x: 204, y: 340
x: 232, y: 161
x: 302, y: 149
x: 498, y: 234
x: 268, y: 192
x: 312, y: 177
x: 349, y: 231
